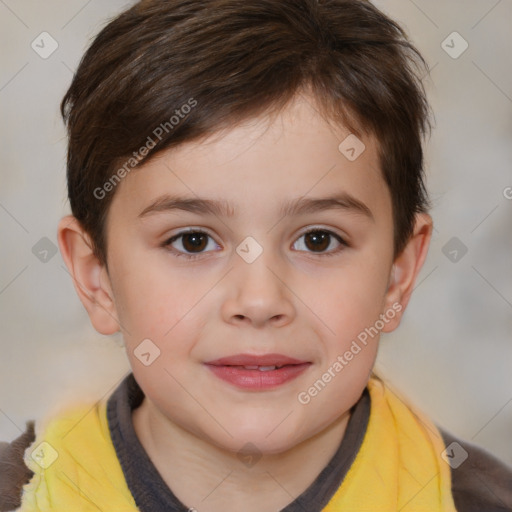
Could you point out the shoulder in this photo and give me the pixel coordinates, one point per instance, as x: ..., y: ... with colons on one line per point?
x: 14, y: 474
x: 19, y: 468
x: 480, y: 481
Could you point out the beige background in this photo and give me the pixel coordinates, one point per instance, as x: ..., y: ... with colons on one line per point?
x: 453, y: 353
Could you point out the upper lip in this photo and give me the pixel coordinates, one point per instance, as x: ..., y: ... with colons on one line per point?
x: 255, y: 360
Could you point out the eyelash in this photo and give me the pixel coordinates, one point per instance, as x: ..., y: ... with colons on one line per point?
x: 192, y: 256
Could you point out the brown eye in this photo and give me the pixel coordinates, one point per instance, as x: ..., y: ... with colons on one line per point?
x: 319, y: 240
x: 193, y: 242
x: 190, y: 244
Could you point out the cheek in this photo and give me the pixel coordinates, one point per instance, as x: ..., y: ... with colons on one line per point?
x: 350, y: 300
x: 152, y: 299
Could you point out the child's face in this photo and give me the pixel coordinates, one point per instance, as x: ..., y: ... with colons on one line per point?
x: 303, y: 297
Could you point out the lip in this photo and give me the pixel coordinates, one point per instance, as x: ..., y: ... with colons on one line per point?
x: 230, y: 369
x: 253, y: 360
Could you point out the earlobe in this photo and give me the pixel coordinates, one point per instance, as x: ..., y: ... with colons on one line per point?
x: 406, y: 268
x: 90, y: 276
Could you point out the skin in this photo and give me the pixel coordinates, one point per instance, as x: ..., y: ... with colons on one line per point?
x: 293, y: 300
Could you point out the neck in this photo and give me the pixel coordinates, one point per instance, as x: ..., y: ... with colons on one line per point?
x: 220, y: 481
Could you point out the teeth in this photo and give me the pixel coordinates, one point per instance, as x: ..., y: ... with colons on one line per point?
x: 260, y: 368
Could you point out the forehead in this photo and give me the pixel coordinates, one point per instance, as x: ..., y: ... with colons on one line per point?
x: 264, y: 163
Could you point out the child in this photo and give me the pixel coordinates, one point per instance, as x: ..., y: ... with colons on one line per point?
x: 246, y: 183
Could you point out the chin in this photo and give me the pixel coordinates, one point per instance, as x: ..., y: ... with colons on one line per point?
x: 261, y: 440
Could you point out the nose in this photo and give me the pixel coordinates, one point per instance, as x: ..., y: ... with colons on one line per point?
x: 258, y: 295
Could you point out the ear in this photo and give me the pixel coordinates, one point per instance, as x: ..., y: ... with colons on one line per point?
x: 405, y: 270
x: 90, y: 276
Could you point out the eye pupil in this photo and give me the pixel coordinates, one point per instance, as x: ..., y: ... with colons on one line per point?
x: 320, y: 240
x: 194, y: 241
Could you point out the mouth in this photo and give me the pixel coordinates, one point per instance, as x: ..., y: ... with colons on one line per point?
x: 248, y: 371
x: 263, y: 360
x: 260, y: 368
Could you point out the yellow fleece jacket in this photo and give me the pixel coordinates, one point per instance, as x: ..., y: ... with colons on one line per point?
x: 399, y: 465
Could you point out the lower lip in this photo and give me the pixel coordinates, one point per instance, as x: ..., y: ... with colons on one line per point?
x: 257, y: 379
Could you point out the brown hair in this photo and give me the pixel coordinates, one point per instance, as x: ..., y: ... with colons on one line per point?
x: 230, y: 60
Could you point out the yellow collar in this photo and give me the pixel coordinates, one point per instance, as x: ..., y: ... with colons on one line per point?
x: 398, y: 467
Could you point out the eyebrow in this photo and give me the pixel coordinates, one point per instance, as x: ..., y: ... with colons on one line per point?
x: 303, y: 205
